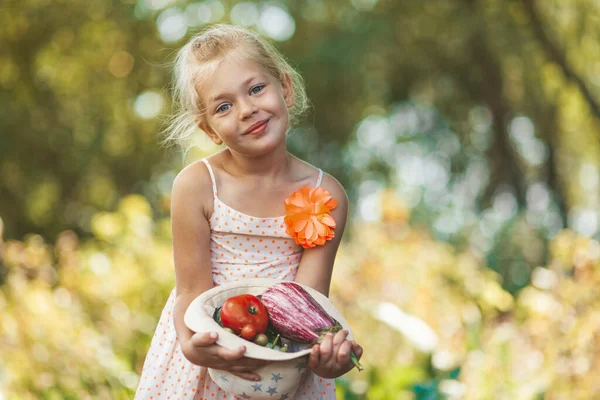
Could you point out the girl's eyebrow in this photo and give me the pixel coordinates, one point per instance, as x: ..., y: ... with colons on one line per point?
x: 223, y: 95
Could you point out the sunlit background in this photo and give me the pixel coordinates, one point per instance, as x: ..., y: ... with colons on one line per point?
x: 466, y: 133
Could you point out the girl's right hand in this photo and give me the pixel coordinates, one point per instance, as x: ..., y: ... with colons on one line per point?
x: 201, y: 349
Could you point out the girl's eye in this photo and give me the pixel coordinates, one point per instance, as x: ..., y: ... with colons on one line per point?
x: 224, y: 107
x: 257, y: 89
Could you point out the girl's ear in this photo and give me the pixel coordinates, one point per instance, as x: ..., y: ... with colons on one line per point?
x: 288, y: 89
x: 210, y: 133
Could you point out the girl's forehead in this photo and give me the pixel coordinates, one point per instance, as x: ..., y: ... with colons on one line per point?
x: 234, y: 68
x: 230, y: 74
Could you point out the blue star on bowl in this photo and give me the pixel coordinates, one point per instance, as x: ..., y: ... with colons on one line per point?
x: 301, y: 366
x: 257, y: 387
x: 272, y: 391
x: 276, y: 377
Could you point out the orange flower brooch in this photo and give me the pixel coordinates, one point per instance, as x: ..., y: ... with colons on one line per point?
x: 308, y: 218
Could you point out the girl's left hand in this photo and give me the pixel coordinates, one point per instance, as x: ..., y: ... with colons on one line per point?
x: 331, y: 358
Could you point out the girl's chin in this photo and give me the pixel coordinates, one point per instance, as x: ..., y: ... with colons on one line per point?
x: 267, y: 145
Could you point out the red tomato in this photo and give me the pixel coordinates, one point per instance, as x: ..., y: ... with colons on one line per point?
x: 248, y: 332
x: 244, y: 309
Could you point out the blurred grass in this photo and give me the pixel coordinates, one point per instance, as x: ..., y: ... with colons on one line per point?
x: 77, y: 316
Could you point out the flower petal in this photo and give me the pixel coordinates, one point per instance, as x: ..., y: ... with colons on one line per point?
x: 300, y: 224
x: 319, y: 227
x: 308, y: 219
x: 310, y: 230
x: 331, y: 204
x: 327, y: 219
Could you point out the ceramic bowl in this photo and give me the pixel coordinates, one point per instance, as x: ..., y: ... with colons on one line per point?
x: 280, y: 378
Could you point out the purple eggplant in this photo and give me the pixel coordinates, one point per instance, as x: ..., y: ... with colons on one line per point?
x: 297, y: 316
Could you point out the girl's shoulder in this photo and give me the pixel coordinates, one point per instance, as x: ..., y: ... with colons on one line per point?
x: 308, y: 172
x: 335, y: 188
x: 194, y: 183
x: 194, y: 176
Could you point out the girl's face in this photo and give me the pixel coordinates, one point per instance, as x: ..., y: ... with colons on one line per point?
x: 246, y: 107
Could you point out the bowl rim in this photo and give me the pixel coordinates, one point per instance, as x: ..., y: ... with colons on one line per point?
x: 197, y: 319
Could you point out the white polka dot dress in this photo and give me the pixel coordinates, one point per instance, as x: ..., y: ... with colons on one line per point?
x: 241, y: 247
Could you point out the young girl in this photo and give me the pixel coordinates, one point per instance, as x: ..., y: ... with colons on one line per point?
x: 229, y: 215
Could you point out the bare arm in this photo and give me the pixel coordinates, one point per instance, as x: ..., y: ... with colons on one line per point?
x: 316, y: 265
x: 191, y: 242
x: 331, y: 358
x: 190, y: 212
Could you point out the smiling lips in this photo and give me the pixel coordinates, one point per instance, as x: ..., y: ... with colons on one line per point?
x: 257, y: 128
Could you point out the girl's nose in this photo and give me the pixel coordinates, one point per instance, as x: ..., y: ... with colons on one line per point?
x: 247, y: 108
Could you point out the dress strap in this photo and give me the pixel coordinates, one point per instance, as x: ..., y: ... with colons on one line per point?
x: 320, y: 178
x: 212, y: 176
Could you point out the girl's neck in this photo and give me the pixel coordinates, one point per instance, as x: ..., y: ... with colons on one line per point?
x: 271, y: 165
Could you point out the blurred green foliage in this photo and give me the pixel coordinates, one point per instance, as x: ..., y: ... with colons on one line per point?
x: 78, y: 315
x: 466, y: 133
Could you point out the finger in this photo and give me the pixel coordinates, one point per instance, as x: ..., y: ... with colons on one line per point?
x: 204, y: 339
x: 249, y: 376
x: 255, y: 363
x: 339, y: 337
x: 313, y: 358
x: 358, y: 350
x: 231, y: 354
x: 250, y: 364
x: 343, y: 354
x: 326, y: 349
x: 239, y: 368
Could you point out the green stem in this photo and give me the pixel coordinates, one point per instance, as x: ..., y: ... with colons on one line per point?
x: 354, y: 360
x: 328, y: 329
x: 333, y: 329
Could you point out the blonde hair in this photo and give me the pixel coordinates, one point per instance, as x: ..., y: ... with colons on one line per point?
x: 196, y: 61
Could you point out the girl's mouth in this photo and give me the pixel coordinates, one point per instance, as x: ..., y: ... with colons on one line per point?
x: 257, y: 128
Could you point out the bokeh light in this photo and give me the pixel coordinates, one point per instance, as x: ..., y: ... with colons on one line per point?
x: 157, y: 4
x: 197, y: 14
x: 121, y: 64
x: 364, y: 5
x: 244, y: 13
x: 584, y: 220
x: 276, y: 23
x: 172, y: 25
x: 148, y: 104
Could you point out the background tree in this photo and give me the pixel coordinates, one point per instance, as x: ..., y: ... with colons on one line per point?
x: 465, y: 131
